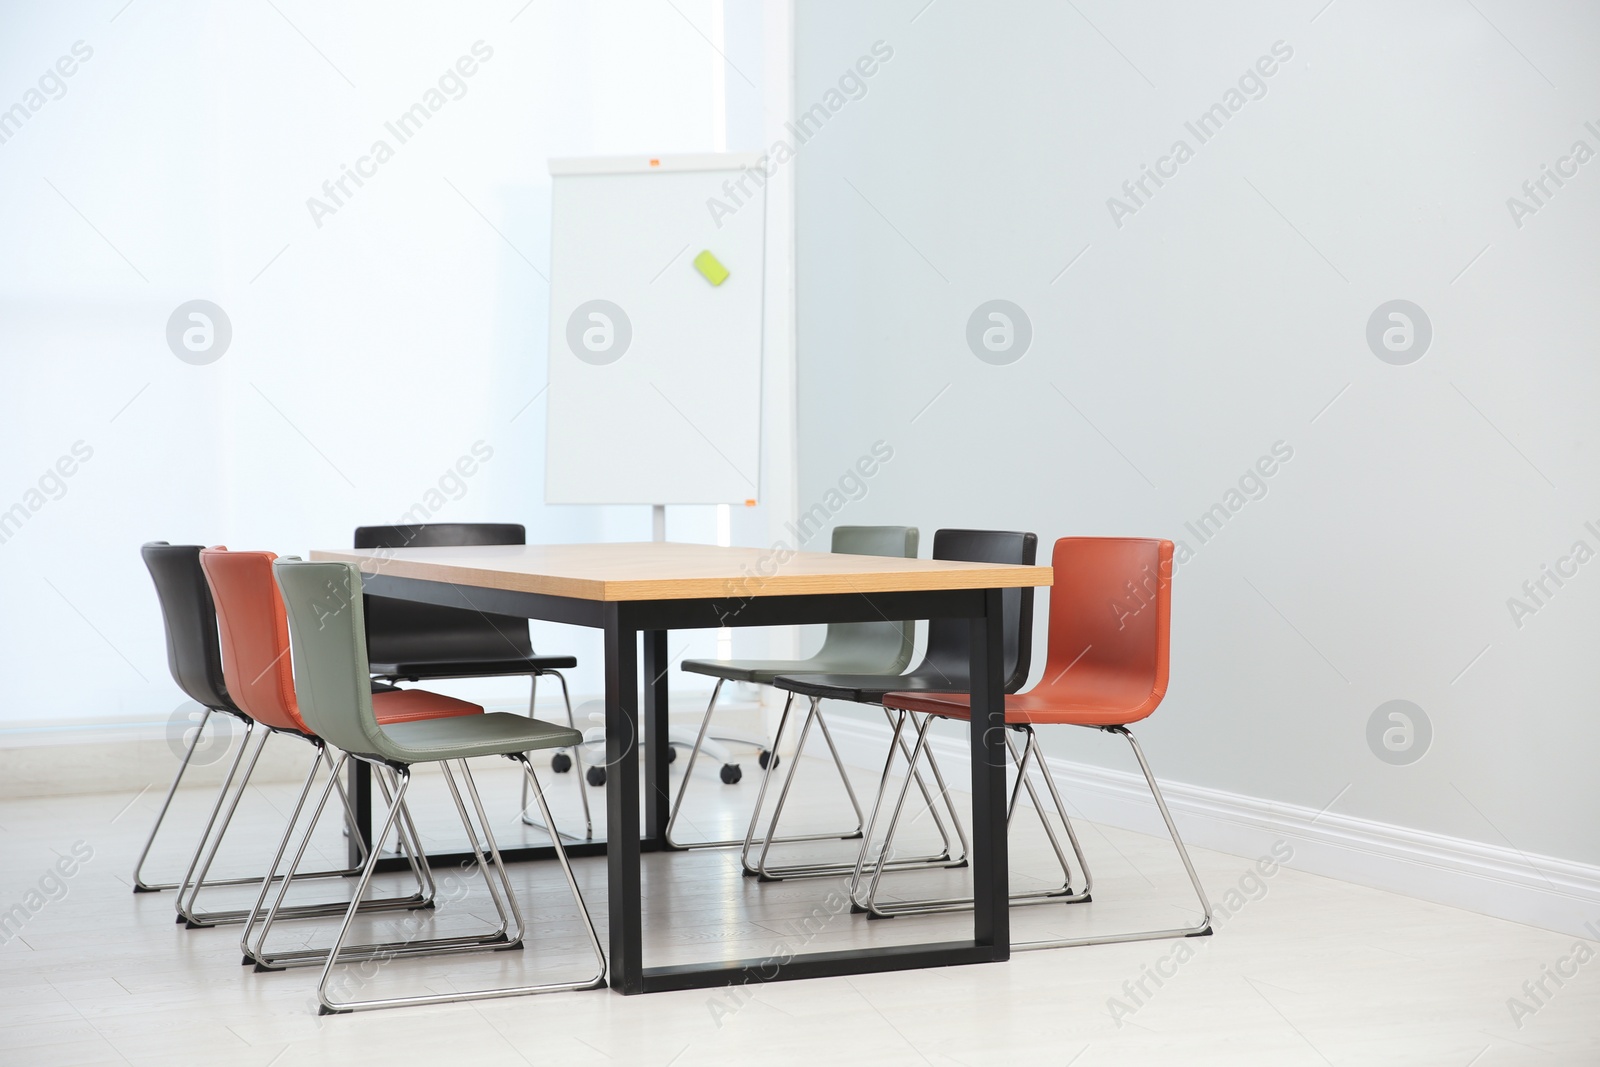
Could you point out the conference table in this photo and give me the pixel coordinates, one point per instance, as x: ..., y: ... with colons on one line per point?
x: 648, y: 589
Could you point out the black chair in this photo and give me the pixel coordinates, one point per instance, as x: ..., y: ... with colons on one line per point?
x: 945, y: 668
x: 194, y: 657
x: 882, y: 646
x: 412, y: 641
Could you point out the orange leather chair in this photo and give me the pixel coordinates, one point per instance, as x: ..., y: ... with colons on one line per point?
x: 1107, y: 665
x: 257, y: 667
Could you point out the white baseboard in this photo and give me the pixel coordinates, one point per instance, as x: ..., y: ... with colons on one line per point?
x: 1541, y: 891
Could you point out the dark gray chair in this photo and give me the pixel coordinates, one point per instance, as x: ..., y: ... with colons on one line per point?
x: 945, y: 667
x: 194, y: 656
x: 856, y: 647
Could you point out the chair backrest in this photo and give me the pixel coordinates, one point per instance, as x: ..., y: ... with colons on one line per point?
x: 190, y: 619
x: 1110, y: 622
x: 328, y: 638
x: 886, y: 642
x: 255, y: 636
x: 405, y: 631
x: 949, y: 647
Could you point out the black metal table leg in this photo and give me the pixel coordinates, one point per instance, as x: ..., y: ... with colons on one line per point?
x: 622, y: 804
x: 990, y: 877
x: 657, y: 779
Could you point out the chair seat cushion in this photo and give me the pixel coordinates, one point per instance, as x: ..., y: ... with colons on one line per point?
x: 494, y: 733
x: 866, y: 688
x: 1108, y: 705
x: 763, y: 671
x: 412, y: 705
x: 473, y: 668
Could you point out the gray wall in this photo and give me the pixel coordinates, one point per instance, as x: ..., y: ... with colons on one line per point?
x: 1227, y: 312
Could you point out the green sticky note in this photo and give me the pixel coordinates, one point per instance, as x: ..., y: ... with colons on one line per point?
x: 708, y: 265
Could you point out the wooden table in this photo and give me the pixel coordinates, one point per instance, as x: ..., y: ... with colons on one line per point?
x: 632, y: 589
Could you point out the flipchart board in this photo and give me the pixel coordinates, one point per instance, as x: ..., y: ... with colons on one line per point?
x: 656, y: 278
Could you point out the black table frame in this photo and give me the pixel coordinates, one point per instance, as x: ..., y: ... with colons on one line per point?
x: 626, y: 839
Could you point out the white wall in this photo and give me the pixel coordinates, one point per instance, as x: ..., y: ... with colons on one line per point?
x: 368, y: 353
x: 1225, y: 314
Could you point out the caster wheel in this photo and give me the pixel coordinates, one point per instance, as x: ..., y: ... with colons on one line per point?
x: 767, y: 757
x: 731, y: 773
x: 561, y: 763
x: 672, y: 754
x: 595, y: 775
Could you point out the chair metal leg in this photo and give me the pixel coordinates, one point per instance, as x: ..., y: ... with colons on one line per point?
x: 766, y: 780
x: 533, y: 700
x: 838, y: 765
x: 400, y: 816
x: 411, y: 847
x: 770, y: 872
x: 190, y: 891
x: 688, y: 774
x: 139, y: 884
x: 1061, y: 810
x: 1033, y: 751
x: 894, y: 819
x: 407, y: 840
x: 943, y: 858
x: 216, y: 808
x: 944, y: 794
x: 1063, y: 895
x: 205, y: 850
x: 1201, y: 929
x: 897, y: 744
x: 579, y: 772
x: 258, y: 951
x: 599, y: 980
x: 898, y: 721
x: 761, y: 869
x: 361, y: 887
x: 340, y: 953
x: 577, y: 765
x: 783, y: 794
x: 277, y: 857
x: 511, y: 926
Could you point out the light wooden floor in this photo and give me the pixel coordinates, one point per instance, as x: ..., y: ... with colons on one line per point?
x: 1304, y: 970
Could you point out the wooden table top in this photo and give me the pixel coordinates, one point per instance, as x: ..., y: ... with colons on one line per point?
x: 671, y: 571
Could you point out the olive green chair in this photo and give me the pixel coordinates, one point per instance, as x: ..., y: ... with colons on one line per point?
x: 329, y: 648
x: 878, y: 647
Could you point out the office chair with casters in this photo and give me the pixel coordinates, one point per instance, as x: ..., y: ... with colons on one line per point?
x: 331, y: 670
x: 855, y: 647
x: 255, y: 660
x: 945, y: 667
x: 412, y: 641
x: 190, y: 620
x: 1106, y: 668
